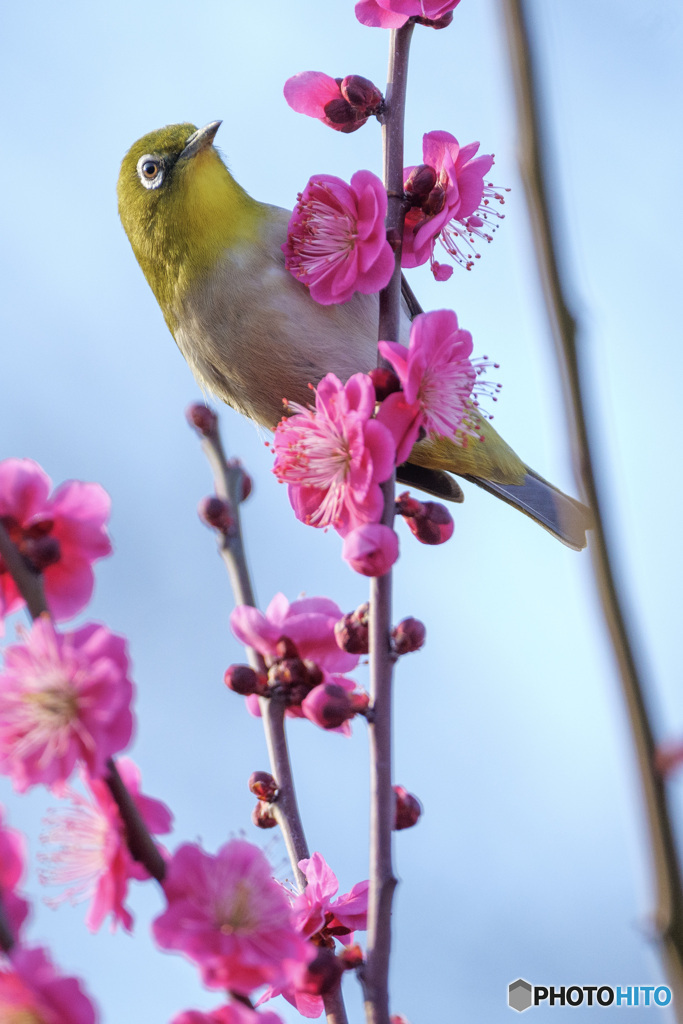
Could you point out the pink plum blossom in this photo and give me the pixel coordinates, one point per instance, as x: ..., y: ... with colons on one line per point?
x: 344, y: 104
x: 63, y: 699
x: 394, y: 13
x: 234, y: 1013
x: 59, y: 535
x: 335, y: 457
x: 309, y: 623
x: 228, y: 915
x: 456, y: 211
x: 336, y: 239
x: 437, y: 377
x: 32, y: 992
x: 371, y: 549
x: 92, y: 856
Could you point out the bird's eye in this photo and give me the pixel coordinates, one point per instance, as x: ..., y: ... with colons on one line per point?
x: 150, y: 171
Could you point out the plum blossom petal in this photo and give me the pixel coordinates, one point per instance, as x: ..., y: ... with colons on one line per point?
x: 309, y: 623
x: 371, y: 549
x: 315, y: 904
x: 63, y: 699
x: 344, y: 104
x: 395, y: 13
x: 61, y: 536
x: 336, y: 239
x: 31, y: 991
x: 458, y: 209
x: 335, y: 457
x: 91, y: 855
x: 438, y: 378
x: 234, y: 1013
x: 227, y: 914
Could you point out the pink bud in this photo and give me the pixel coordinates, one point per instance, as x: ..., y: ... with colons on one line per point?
x: 420, y: 182
x: 217, y: 513
x: 341, y: 116
x: 351, y: 632
x: 435, y: 524
x: 385, y: 382
x: 203, y: 419
x: 288, y: 672
x: 371, y: 549
x: 406, y: 505
x: 262, y: 816
x: 351, y: 956
x: 322, y: 975
x: 408, y: 636
x: 263, y: 786
x: 408, y: 808
x: 328, y: 705
x: 243, y: 680
x: 362, y: 94
x: 286, y: 648
x: 435, y: 201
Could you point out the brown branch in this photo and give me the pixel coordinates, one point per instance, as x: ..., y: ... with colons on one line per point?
x: 668, y: 912
x: 382, y: 879
x: 228, y: 479
x: 140, y: 843
x: 28, y: 581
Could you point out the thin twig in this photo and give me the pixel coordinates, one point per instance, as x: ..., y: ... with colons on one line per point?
x: 382, y: 879
x: 138, y: 839
x: 28, y: 581
x: 668, y: 912
x: 228, y: 478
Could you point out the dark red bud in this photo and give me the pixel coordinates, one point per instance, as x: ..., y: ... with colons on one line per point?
x: 203, y: 419
x: 351, y: 956
x: 286, y: 648
x: 314, y: 673
x: 340, y: 112
x: 435, y: 201
x: 408, y: 506
x: 217, y: 513
x: 247, y: 485
x: 288, y: 672
x: 408, y: 809
x: 40, y: 552
x: 243, y: 680
x: 329, y: 706
x: 263, y: 786
x: 322, y: 975
x: 435, y: 524
x: 262, y: 816
x: 352, y: 636
x: 408, y: 636
x: 361, y: 93
x: 420, y: 181
x: 442, y: 22
x: 385, y: 382
x: 360, y: 701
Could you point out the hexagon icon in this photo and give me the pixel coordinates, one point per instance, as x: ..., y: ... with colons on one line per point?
x: 519, y: 995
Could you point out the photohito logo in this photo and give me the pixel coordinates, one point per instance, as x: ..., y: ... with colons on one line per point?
x: 522, y: 995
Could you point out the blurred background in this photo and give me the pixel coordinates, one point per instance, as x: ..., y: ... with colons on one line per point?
x: 530, y: 859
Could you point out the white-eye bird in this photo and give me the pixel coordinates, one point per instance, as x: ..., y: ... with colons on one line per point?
x: 250, y: 331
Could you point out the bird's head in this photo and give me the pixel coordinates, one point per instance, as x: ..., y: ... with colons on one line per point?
x: 180, y: 207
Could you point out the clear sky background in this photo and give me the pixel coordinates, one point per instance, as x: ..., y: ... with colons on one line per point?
x: 530, y: 858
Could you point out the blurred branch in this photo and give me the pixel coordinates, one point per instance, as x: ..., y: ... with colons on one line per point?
x: 28, y: 581
x: 534, y: 166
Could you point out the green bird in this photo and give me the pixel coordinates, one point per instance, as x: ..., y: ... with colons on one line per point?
x: 250, y: 331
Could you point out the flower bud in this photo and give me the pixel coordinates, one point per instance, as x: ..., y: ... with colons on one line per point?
x: 406, y: 505
x: 243, y: 680
x: 360, y: 701
x: 328, y: 706
x: 322, y: 975
x: 40, y: 552
x: 371, y: 549
x: 385, y: 382
x: 263, y: 786
x: 435, y: 524
x: 341, y: 116
x: 203, y: 419
x: 442, y: 22
x: 435, y: 201
x: 362, y: 94
x: 351, y: 956
x: 408, y: 809
x: 351, y: 632
x: 217, y: 513
x: 314, y: 673
x: 408, y: 636
x: 420, y: 182
x: 247, y: 484
x: 262, y: 816
x: 286, y: 648
x: 287, y: 672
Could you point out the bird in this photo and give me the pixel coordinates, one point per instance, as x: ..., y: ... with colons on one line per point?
x: 253, y: 336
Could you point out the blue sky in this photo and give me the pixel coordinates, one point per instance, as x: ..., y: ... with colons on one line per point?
x: 530, y: 858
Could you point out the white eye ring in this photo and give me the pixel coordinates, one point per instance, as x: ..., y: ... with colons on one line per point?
x: 150, y: 171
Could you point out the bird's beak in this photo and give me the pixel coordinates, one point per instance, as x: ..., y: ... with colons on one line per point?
x: 199, y: 140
